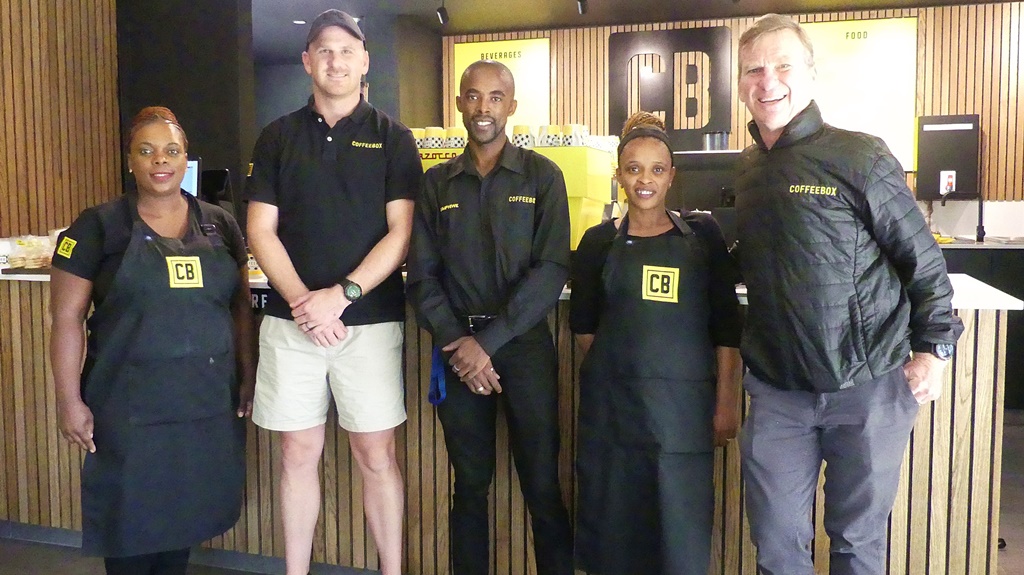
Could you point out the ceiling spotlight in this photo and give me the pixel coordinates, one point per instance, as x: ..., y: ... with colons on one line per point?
x: 581, y: 5
x: 442, y: 14
x: 299, y: 22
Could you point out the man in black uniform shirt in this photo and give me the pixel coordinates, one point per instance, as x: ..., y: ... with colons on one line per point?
x: 489, y: 258
x: 330, y: 214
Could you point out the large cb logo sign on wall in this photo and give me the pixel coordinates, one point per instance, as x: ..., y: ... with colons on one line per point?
x: 682, y: 75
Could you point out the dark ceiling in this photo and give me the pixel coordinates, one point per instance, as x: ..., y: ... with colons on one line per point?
x: 277, y: 40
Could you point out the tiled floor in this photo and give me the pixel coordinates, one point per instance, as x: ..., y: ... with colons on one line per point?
x: 34, y: 559
x: 38, y: 559
x: 1011, y: 519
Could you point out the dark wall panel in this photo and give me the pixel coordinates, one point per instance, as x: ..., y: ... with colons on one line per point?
x: 194, y: 58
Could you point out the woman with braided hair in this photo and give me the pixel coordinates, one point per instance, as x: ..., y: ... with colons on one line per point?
x: 654, y: 310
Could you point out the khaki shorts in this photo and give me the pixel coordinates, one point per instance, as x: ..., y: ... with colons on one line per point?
x: 295, y: 378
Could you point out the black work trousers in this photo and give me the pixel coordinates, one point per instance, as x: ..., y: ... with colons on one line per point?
x: 529, y: 382
x: 174, y: 562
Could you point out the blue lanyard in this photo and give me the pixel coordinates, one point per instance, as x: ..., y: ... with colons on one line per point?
x: 437, y: 391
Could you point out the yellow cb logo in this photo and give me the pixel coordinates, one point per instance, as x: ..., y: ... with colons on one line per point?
x: 661, y: 284
x: 67, y: 245
x: 184, y: 272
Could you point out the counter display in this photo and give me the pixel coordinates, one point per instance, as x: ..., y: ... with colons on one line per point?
x: 947, y: 500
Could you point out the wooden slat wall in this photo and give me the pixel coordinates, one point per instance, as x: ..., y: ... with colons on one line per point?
x: 59, y: 146
x: 969, y: 62
x: 59, y: 153
x: 39, y: 471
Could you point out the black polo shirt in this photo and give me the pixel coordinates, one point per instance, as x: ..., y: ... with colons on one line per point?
x: 495, y: 245
x: 330, y: 186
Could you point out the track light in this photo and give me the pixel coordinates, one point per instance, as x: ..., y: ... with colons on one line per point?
x: 442, y: 14
x: 581, y: 5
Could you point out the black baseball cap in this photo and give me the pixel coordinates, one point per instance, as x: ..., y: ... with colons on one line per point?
x: 333, y: 17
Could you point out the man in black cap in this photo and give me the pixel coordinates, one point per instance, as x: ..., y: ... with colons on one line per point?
x: 330, y: 214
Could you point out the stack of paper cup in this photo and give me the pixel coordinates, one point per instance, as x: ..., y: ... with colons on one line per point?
x: 6, y: 247
x: 433, y: 137
x: 455, y: 137
x: 522, y: 137
x: 550, y: 135
x: 574, y: 135
x: 418, y: 134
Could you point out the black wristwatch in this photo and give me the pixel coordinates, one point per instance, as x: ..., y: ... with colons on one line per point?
x: 943, y: 351
x: 351, y: 289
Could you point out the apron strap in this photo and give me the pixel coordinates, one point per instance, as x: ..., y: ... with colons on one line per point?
x: 677, y: 221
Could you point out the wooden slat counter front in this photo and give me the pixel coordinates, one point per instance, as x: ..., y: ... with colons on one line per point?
x: 946, y: 513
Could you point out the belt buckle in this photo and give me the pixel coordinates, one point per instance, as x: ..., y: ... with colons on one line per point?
x: 477, y: 322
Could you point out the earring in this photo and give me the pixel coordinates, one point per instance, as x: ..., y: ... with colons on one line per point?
x: 129, y: 170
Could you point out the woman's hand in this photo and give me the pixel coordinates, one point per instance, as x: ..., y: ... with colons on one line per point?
x: 70, y: 298
x: 75, y: 420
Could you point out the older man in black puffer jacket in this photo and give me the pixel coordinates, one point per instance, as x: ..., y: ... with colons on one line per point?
x: 844, y: 282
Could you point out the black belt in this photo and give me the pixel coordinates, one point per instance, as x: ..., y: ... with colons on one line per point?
x: 476, y: 323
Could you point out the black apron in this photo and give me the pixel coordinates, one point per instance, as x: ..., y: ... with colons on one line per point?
x: 169, y: 466
x: 647, y: 397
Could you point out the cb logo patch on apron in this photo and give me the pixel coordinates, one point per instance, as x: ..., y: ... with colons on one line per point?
x: 661, y: 284
x: 185, y: 271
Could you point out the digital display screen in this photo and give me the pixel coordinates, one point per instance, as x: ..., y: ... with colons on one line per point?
x: 191, y: 182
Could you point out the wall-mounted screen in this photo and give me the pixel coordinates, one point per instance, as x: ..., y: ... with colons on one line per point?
x: 191, y: 182
x: 704, y: 180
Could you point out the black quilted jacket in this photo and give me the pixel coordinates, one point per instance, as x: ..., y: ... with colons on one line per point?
x: 842, y: 273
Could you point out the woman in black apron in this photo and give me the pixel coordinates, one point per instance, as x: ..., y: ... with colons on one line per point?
x: 159, y: 405
x: 654, y: 302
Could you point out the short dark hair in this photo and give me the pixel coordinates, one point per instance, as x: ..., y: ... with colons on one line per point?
x: 502, y: 69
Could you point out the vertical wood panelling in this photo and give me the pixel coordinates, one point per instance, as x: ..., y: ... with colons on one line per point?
x: 58, y: 68
x: 59, y: 133
x: 969, y: 62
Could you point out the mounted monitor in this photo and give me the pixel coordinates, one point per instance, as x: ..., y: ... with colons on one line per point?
x: 191, y: 183
x: 947, y: 157
x: 216, y: 186
x: 704, y: 180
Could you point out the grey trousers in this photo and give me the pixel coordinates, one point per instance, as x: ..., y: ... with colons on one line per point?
x: 861, y: 433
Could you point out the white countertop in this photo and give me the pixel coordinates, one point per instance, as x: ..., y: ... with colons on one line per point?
x: 968, y: 293
x: 38, y: 277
